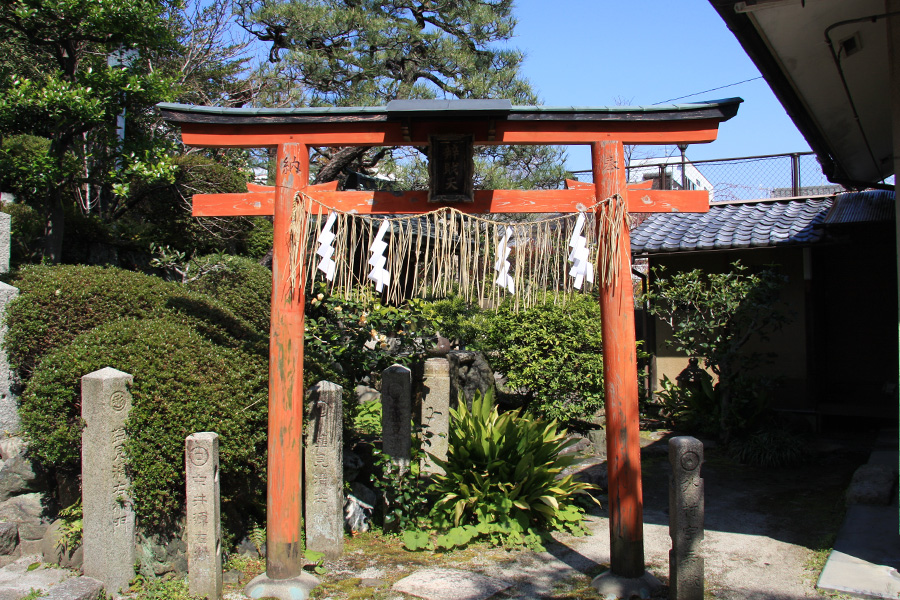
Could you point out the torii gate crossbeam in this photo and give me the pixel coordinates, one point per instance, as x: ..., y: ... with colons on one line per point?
x: 411, y: 123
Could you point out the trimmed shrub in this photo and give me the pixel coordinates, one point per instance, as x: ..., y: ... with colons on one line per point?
x: 552, y: 352
x: 241, y: 284
x: 183, y: 383
x: 59, y: 302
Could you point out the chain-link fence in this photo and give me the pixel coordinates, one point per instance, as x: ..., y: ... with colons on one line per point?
x: 729, y: 179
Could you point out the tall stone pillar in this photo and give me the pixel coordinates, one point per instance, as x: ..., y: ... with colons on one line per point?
x: 435, y: 412
x: 324, y: 457
x: 108, y: 538
x: 204, y: 524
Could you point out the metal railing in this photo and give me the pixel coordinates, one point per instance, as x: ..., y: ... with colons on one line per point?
x: 730, y: 179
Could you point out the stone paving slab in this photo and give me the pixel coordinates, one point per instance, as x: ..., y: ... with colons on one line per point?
x: 17, y: 581
x: 866, y: 554
x: 449, y: 584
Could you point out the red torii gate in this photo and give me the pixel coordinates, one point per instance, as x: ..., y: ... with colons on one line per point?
x: 411, y: 123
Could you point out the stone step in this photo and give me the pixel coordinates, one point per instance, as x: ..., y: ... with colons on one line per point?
x: 75, y: 588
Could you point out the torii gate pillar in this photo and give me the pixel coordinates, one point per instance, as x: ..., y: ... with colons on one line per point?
x: 284, y: 548
x: 623, y: 451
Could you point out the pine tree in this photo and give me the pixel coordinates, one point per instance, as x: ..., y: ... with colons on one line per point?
x: 368, y: 52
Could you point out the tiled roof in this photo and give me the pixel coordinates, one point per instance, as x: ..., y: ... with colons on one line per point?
x: 733, y: 225
x: 873, y: 206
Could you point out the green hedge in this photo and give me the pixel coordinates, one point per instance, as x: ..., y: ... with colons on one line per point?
x: 241, y: 284
x: 183, y: 383
x: 57, y: 303
x: 552, y: 351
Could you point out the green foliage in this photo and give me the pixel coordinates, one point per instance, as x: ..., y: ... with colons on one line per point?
x: 712, y: 317
x: 771, y: 446
x: 693, y: 409
x: 58, y: 303
x: 351, y: 340
x: 27, y: 167
x: 70, y: 68
x: 554, y: 352
x: 241, y: 284
x: 502, y: 479
x: 367, y: 420
x: 72, y: 527
x: 257, y: 537
x: 259, y: 238
x: 404, y: 490
x: 167, y: 587
x: 159, y: 212
x: 27, y: 228
x: 316, y: 559
x: 456, y: 319
x: 183, y: 383
x: 63, y: 88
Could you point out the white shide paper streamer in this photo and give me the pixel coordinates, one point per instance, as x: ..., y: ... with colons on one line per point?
x: 504, y: 279
x: 582, y: 268
x: 326, y: 249
x: 379, y: 274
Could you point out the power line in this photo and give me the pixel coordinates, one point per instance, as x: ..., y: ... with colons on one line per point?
x: 721, y: 87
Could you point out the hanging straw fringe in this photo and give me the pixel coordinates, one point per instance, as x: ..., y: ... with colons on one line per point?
x: 612, y: 216
x: 445, y: 252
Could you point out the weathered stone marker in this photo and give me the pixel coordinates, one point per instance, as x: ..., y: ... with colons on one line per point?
x: 325, y: 470
x: 5, y: 241
x: 9, y: 412
x: 204, y: 528
x: 435, y: 411
x: 396, y: 412
x: 108, y: 511
x: 685, y: 519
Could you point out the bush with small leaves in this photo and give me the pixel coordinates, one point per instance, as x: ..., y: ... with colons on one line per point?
x: 551, y: 351
x: 183, y: 383
x: 241, y: 284
x: 57, y: 303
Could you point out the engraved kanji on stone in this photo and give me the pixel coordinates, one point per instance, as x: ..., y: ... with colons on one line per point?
x: 201, y: 453
x: 324, y: 471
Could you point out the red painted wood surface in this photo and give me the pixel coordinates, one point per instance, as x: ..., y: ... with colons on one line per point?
x: 284, y: 509
x: 620, y: 379
x: 486, y: 201
x: 502, y: 132
x: 257, y: 201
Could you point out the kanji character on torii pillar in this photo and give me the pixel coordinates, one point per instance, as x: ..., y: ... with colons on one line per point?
x: 419, y: 123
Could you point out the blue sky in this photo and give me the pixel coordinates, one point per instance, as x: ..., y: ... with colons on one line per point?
x: 591, y: 52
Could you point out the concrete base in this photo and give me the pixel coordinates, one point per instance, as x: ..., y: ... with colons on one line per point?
x: 613, y: 587
x: 866, y: 554
x: 295, y: 588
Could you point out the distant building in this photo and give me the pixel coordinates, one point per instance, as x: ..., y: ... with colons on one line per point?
x: 666, y: 174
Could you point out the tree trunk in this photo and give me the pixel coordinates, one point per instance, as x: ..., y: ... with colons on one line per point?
x: 54, y: 228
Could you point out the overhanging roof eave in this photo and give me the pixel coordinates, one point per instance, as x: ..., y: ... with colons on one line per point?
x: 719, y: 110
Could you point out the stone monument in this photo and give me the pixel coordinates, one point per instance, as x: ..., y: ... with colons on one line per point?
x: 108, y: 538
x: 435, y: 412
x: 324, y: 470
x: 9, y: 412
x: 685, y: 519
x: 396, y: 414
x: 204, y: 528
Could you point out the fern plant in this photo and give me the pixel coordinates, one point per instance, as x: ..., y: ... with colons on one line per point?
x: 503, y: 479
